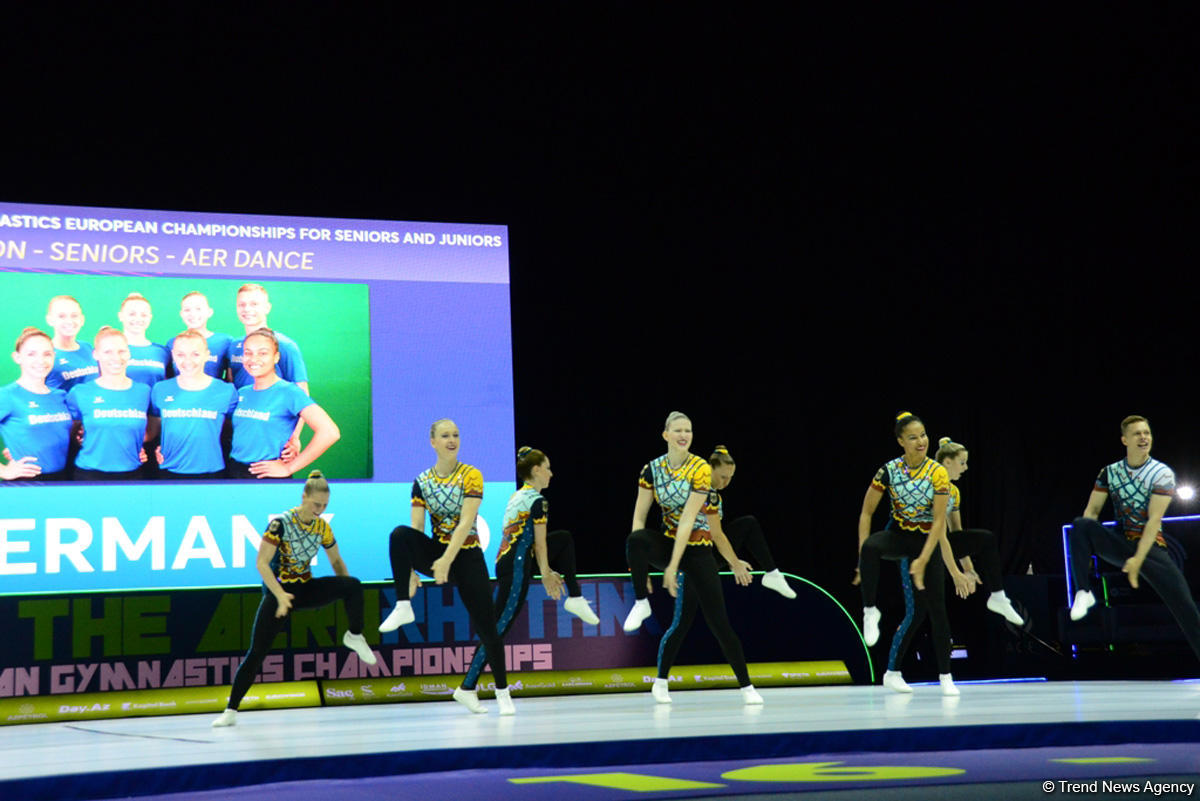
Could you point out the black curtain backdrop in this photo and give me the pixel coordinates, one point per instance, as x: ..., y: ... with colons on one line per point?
x: 789, y: 229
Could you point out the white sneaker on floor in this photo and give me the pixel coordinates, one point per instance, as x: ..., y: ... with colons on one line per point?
x: 226, y: 718
x: 660, y: 692
x: 401, y: 615
x: 895, y: 682
x: 871, y: 616
x: 776, y: 581
x: 750, y: 695
x: 504, y: 702
x: 358, y: 644
x: 947, y: 682
x: 639, y: 612
x: 578, y: 606
x: 470, y: 699
x: 1084, y: 600
x: 1001, y: 605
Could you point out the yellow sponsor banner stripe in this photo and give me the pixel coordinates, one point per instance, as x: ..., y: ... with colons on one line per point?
x: 136, y: 703
x: 337, y: 692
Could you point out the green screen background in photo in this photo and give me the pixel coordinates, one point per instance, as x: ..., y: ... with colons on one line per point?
x: 329, y: 321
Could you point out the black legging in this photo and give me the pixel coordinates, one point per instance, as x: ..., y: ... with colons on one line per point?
x: 410, y: 550
x: 510, y: 596
x: 977, y: 543
x: 1088, y: 537
x: 698, y: 585
x: 310, y: 594
x: 904, y: 547
x: 745, y: 534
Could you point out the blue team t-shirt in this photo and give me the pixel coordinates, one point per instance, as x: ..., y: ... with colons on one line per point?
x: 218, y: 355
x: 265, y: 419
x: 35, y: 424
x: 147, y: 363
x: 114, y: 425
x: 191, y: 424
x: 72, y: 367
x: 290, y: 367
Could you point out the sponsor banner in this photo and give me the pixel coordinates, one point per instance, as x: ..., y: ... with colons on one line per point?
x: 571, y: 682
x: 137, y: 703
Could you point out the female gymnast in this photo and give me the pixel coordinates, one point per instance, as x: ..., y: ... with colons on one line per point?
x: 919, y: 489
x: 525, y: 519
x: 195, y: 312
x: 266, y: 416
x: 193, y: 408
x: 973, y: 542
x: 744, y: 533
x: 966, y: 543
x: 147, y: 360
x: 73, y: 362
x: 452, y: 492
x: 288, y: 547
x: 35, y: 422
x: 680, y: 481
x: 113, y: 413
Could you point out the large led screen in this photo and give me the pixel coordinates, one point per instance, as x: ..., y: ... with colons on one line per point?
x: 397, y: 324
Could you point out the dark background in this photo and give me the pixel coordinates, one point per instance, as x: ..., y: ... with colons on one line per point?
x: 789, y: 227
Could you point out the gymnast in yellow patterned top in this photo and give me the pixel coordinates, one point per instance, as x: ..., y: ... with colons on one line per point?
x: 451, y: 492
x: 288, y: 547
x: 918, y: 488
x: 680, y: 482
x: 443, y: 497
x: 526, y: 543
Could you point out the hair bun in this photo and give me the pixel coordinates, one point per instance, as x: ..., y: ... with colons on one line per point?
x: 944, y: 441
x: 315, y: 474
x: 721, y: 449
x: 523, y: 450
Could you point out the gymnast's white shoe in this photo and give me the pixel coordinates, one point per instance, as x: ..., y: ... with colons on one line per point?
x: 358, y: 644
x: 999, y: 603
x: 947, y: 682
x: 401, y: 615
x: 750, y: 696
x: 639, y: 612
x: 470, y: 699
x: 776, y: 581
x: 226, y: 718
x: 577, y: 605
x: 871, y: 615
x: 895, y: 682
x: 1084, y: 600
x: 504, y: 702
x: 660, y: 692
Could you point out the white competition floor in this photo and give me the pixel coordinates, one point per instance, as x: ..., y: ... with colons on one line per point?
x: 134, y: 756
